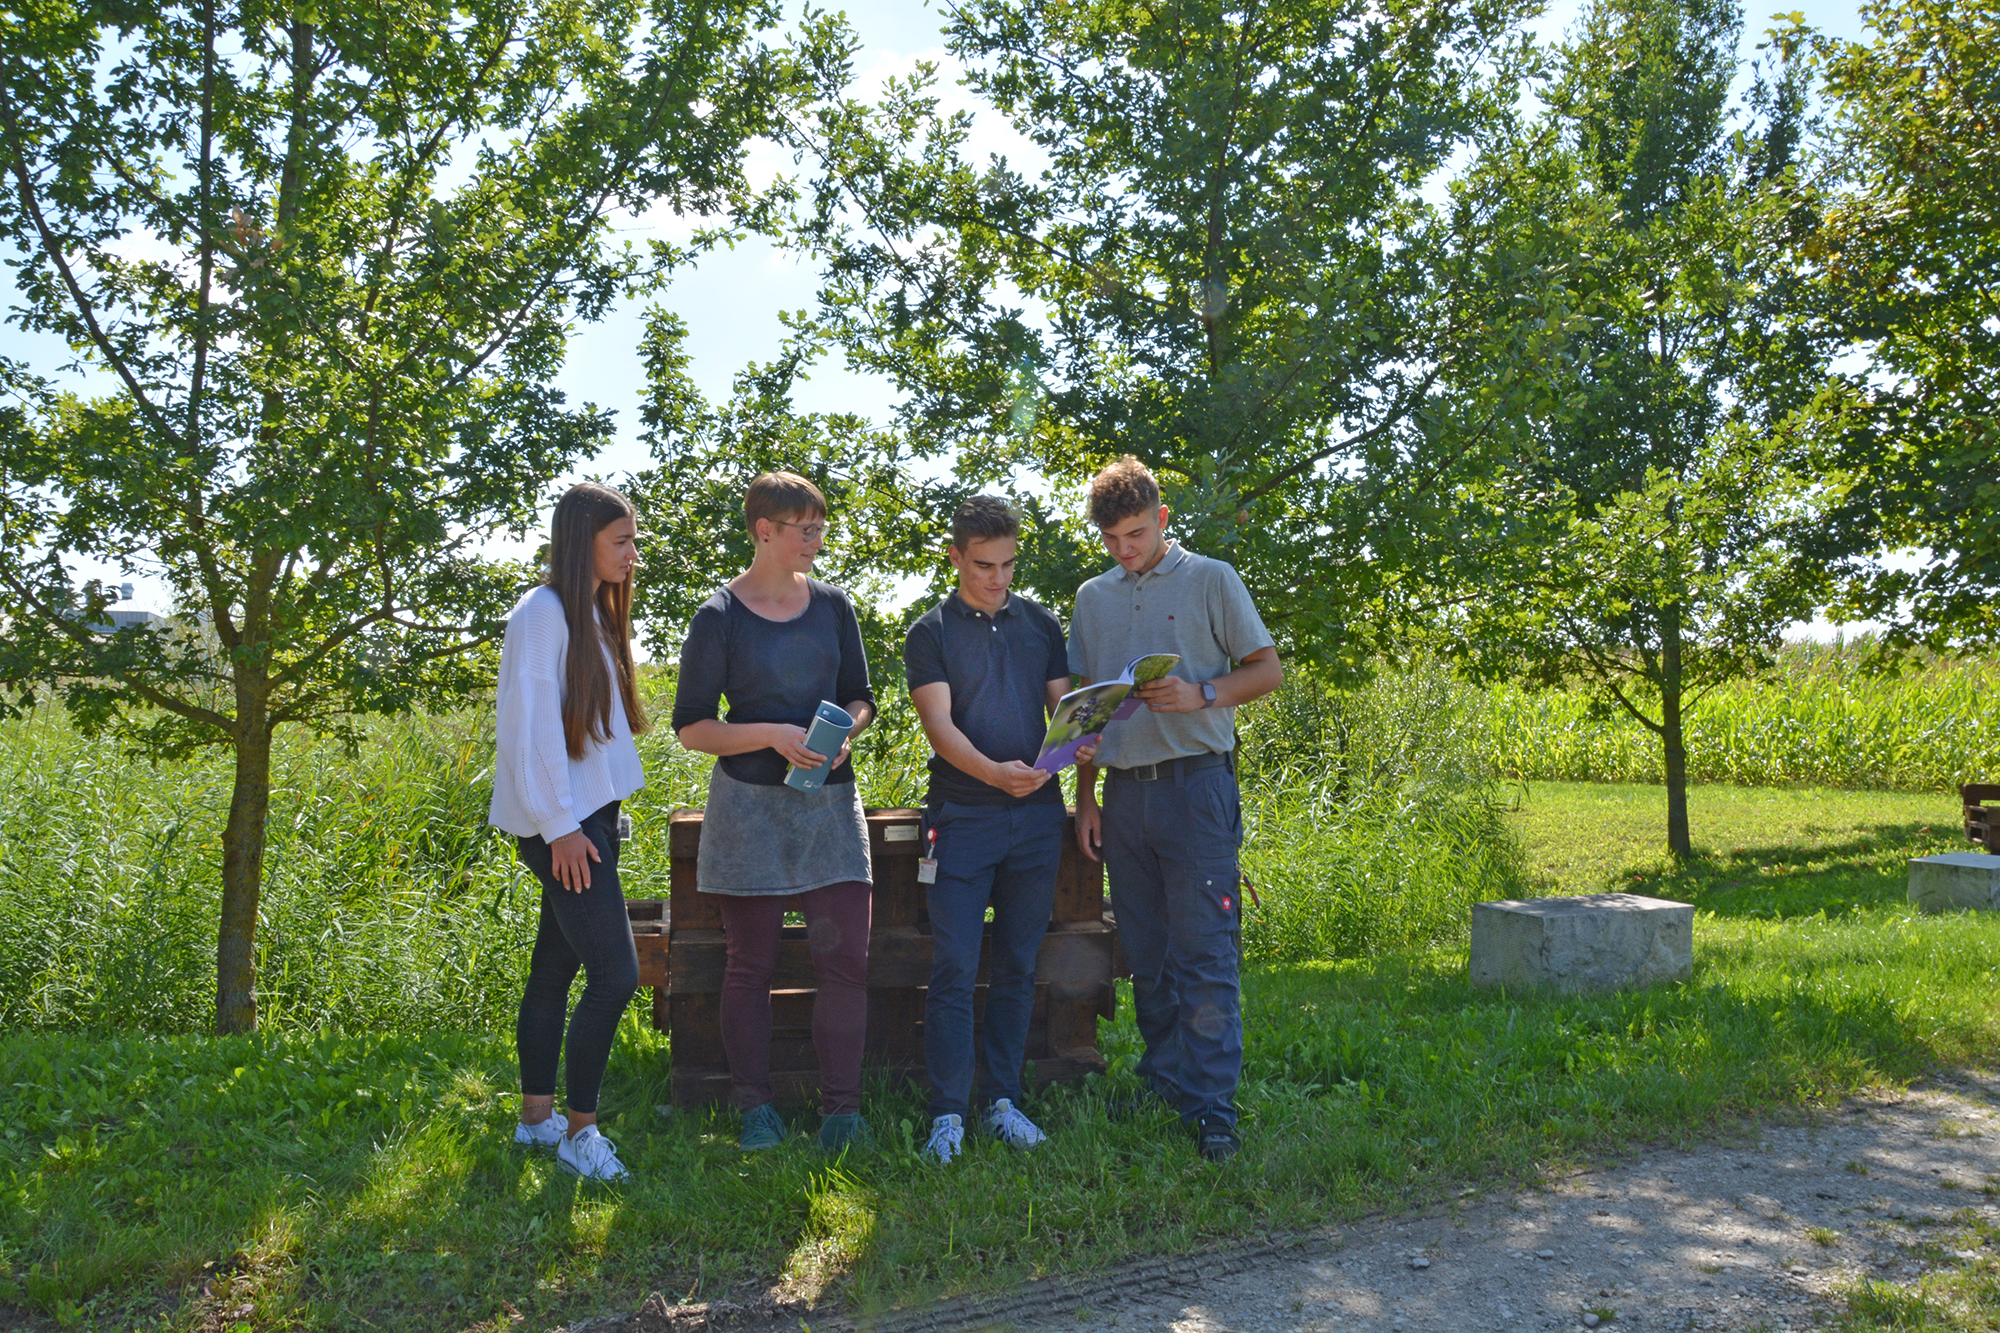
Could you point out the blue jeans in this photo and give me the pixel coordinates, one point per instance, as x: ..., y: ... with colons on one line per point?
x: 1170, y: 856
x: 1005, y: 855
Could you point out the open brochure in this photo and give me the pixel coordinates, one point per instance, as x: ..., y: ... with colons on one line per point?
x: 1081, y: 715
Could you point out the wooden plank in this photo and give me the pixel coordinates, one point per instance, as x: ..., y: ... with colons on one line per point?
x: 1072, y: 1025
x: 1079, y: 881
x: 1076, y: 959
x: 652, y: 949
x: 1079, y: 956
x: 791, y: 1011
x: 688, y: 909
x: 694, y: 1033
x: 891, y: 834
x: 1066, y: 1068
x: 794, y: 1088
x: 895, y: 1026
x: 684, y: 833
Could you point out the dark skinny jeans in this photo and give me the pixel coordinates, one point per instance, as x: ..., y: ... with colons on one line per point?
x: 837, y: 919
x: 589, y: 930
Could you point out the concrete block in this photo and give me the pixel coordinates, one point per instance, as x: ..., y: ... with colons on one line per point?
x: 1956, y: 880
x: 1596, y: 942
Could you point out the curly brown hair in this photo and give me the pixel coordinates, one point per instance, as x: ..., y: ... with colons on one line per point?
x: 1124, y: 489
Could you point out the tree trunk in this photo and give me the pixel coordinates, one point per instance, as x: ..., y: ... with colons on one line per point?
x: 243, y: 872
x: 1672, y: 739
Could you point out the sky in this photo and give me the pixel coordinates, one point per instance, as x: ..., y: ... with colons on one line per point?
x: 731, y: 301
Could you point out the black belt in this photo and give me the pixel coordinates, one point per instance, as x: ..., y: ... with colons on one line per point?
x: 1172, y: 768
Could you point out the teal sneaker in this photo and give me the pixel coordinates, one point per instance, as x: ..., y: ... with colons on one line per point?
x: 762, y: 1128
x: 837, y: 1133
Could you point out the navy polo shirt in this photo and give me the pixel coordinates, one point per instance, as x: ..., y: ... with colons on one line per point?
x: 997, y: 667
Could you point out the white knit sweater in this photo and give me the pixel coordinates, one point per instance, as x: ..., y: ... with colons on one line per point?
x: 537, y: 788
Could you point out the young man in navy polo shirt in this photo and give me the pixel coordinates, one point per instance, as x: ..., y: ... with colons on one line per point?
x: 1171, y: 822
x: 984, y: 666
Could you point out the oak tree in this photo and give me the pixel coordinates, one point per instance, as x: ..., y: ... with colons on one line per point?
x: 319, y: 266
x: 1658, y: 534
x: 1243, y: 261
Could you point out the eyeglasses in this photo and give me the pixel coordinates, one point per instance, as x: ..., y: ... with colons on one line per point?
x: 812, y: 532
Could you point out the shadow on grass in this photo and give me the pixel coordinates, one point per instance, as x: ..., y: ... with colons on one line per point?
x: 1777, y: 882
x: 1374, y: 1083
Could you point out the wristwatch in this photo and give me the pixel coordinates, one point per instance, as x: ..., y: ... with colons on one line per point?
x: 1208, y: 694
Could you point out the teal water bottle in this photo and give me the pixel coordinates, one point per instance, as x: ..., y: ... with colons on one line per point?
x: 830, y: 726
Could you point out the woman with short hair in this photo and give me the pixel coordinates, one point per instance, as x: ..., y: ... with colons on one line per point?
x: 779, y: 643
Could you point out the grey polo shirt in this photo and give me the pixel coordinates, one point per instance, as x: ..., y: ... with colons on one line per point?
x: 998, y: 667
x: 1186, y: 604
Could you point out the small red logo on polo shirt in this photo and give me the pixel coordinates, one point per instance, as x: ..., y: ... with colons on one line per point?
x: 1228, y: 903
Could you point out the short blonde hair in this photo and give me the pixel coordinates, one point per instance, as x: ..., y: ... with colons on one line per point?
x: 1124, y: 489
x: 781, y: 496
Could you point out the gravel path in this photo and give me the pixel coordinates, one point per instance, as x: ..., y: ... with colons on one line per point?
x: 1765, y: 1234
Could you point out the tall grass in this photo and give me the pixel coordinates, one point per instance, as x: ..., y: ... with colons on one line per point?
x: 1370, y: 817
x: 390, y: 906
x: 1827, y: 717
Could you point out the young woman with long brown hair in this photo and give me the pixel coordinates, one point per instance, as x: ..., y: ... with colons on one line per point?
x: 568, y: 710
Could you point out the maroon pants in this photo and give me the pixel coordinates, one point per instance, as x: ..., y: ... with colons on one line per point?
x: 837, y: 931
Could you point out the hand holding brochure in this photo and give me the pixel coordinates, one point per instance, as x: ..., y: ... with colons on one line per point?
x: 1081, y: 715
x: 829, y: 728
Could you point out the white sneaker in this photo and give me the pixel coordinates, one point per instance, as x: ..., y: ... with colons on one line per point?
x: 589, y: 1154
x: 545, y: 1135
x: 1011, y: 1127
x: 947, y: 1139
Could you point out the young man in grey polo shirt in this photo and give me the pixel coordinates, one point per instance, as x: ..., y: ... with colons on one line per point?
x: 1171, y: 822
x: 984, y: 666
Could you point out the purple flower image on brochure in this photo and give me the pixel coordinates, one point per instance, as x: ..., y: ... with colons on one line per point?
x: 1082, y: 715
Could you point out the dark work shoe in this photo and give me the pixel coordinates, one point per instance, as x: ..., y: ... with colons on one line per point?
x: 762, y: 1129
x: 1216, y: 1138
x: 837, y: 1133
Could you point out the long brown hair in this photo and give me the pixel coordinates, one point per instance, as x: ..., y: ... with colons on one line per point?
x: 585, y: 510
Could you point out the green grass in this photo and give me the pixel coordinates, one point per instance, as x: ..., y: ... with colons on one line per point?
x: 1770, y: 853
x: 390, y: 906
x: 388, y: 903
x: 338, y: 1178
x: 1829, y: 716
x: 1953, y: 1294
x: 351, y: 1167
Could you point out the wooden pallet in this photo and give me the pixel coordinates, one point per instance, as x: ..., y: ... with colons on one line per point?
x: 682, y: 952
x: 1982, y: 821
